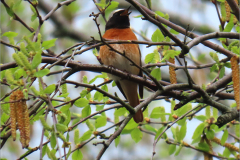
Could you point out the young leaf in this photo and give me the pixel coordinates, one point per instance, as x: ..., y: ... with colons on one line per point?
x: 53, y: 140
x: 198, y: 131
x: 157, y: 36
x: 49, y: 89
x: 77, y: 155
x: 42, y: 73
x: 171, y: 149
x: 183, y: 131
x: 81, y: 102
x: 48, y: 44
x: 224, y: 137
x: 37, y: 59
x: 86, y: 135
x: 101, y: 121
x: 156, y: 73
x: 86, y: 111
x: 136, y: 135
x: 117, y: 140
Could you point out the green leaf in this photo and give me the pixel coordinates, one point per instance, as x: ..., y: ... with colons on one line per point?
x: 222, y: 72
x: 131, y: 124
x: 150, y: 128
x: 170, y: 54
x: 86, y: 135
x: 149, y: 58
x: 201, y: 118
x: 19, y: 73
x: 85, y: 79
x: 120, y: 111
x: 99, y: 107
x: 183, y: 131
x: 178, y: 150
x: 10, y: 34
x: 77, y: 155
x: 224, y: 137
x: 136, y: 135
x: 42, y: 73
x: 157, y: 36
x: 173, y: 31
x: 198, y: 131
x: 81, y: 102
x: 48, y: 44
x: 203, y: 146
x: 157, y: 112
x: 86, y: 111
x: 101, y: 121
x: 117, y: 140
x: 229, y: 26
x: 98, y: 96
x: 226, y: 152
x: 159, y: 132
x: 172, y: 149
x: 37, y: 59
x: 210, y: 134
x: 113, y: 5
x: 53, y: 140
x: 156, y: 73
x: 49, y: 89
x: 160, y: 13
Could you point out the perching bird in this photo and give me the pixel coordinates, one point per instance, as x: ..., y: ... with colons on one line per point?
x: 118, y: 28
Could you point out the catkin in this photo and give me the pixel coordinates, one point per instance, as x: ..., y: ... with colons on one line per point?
x: 228, y: 12
x: 19, y: 116
x: 235, y: 79
x: 172, y: 73
x: 13, y: 115
x: 228, y: 145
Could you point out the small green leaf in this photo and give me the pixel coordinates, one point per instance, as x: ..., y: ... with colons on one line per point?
x: 150, y: 128
x: 157, y: 36
x: 183, y: 131
x: 136, y: 135
x: 86, y: 111
x: 81, y: 102
x: 49, y: 89
x: 156, y: 73
x: 120, y: 111
x: 113, y: 5
x: 173, y: 31
x: 203, y: 146
x: 171, y: 149
x: 19, y: 73
x: 224, y: 137
x: 201, y: 118
x: 77, y: 155
x: 53, y: 140
x: 159, y: 132
x: 156, y: 112
x: 85, y: 79
x: 49, y: 43
x: 210, y: 134
x: 149, y: 58
x: 42, y: 73
x: 101, y: 121
x: 86, y: 135
x: 131, y: 124
x: 117, y: 140
x: 10, y: 34
x: 222, y: 72
x: 178, y: 150
x: 37, y: 59
x: 227, y: 153
x: 198, y: 131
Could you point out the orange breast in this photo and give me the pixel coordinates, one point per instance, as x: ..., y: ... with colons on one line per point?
x: 110, y: 58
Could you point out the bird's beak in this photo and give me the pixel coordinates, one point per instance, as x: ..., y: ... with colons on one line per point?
x: 126, y: 13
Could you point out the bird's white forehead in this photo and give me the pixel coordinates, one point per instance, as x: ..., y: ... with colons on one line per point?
x: 117, y: 10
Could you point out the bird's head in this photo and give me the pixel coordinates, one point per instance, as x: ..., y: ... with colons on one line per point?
x: 119, y: 19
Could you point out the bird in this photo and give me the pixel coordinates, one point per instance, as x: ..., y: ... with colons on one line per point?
x: 118, y: 28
